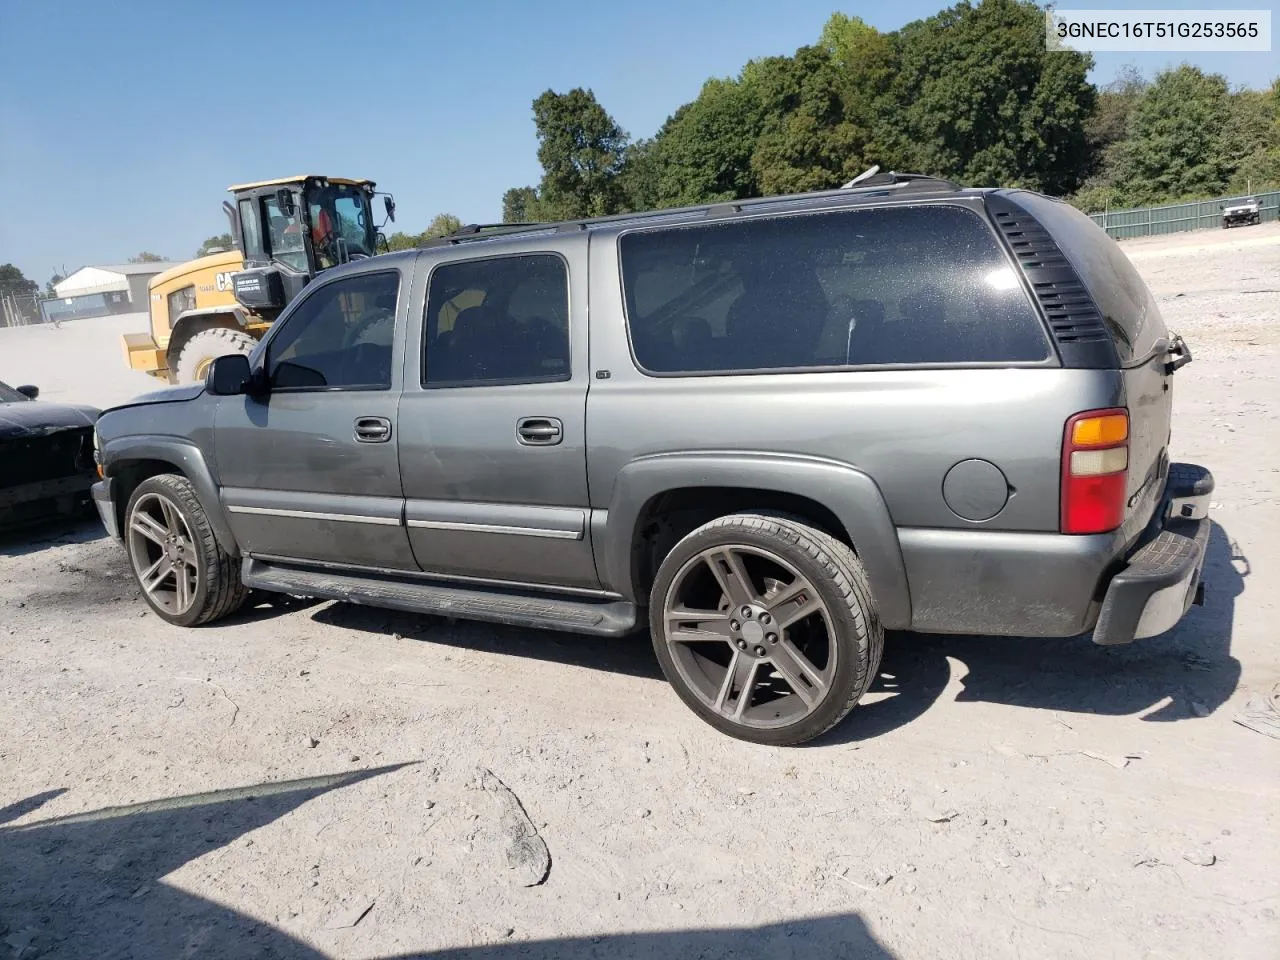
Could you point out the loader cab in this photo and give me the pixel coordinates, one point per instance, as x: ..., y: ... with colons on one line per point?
x: 293, y: 228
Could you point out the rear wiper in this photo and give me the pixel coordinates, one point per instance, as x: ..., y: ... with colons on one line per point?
x: 1179, y: 355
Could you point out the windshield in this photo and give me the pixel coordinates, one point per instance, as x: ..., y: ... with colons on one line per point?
x: 10, y: 395
x: 341, y: 226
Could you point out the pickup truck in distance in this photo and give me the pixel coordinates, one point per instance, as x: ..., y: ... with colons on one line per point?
x: 767, y: 431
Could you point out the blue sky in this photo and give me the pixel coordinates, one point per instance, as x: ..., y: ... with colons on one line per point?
x: 121, y: 123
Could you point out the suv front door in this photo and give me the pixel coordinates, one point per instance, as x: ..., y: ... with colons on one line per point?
x: 309, y: 468
x: 493, y: 422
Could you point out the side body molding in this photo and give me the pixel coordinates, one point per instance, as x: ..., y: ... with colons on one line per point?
x: 847, y: 492
x: 184, y: 455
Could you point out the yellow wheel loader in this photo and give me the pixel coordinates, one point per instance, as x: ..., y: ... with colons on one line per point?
x: 286, y: 231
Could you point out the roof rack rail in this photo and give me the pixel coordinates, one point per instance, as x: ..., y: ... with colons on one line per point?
x: 471, y: 231
x: 873, y: 177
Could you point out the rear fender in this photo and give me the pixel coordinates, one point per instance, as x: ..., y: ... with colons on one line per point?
x: 850, y: 494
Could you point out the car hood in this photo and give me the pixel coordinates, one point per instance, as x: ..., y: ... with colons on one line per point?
x: 37, y: 418
x: 187, y: 391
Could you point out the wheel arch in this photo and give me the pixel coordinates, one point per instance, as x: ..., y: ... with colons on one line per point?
x: 128, y: 461
x: 656, y: 500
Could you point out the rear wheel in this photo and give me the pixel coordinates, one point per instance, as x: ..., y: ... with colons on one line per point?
x: 765, y: 627
x: 205, y: 347
x: 185, y: 575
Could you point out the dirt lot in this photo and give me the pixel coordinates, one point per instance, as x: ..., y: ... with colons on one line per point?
x: 303, y: 781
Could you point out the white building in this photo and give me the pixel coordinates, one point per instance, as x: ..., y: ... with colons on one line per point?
x: 102, y: 290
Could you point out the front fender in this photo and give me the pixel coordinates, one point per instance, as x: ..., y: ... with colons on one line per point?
x: 185, y: 456
x: 847, y: 492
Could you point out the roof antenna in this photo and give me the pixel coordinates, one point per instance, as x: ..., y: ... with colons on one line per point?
x: 864, y: 175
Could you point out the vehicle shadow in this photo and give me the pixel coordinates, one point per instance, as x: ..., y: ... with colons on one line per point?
x: 32, y: 538
x: 1185, y: 674
x: 631, y: 655
x: 86, y: 885
x: 89, y: 885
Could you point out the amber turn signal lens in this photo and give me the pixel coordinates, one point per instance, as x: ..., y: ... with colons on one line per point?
x: 1100, y: 431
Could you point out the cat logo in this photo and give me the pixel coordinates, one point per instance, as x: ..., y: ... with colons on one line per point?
x: 223, y: 280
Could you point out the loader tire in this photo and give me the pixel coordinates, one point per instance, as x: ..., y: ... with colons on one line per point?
x: 205, y: 347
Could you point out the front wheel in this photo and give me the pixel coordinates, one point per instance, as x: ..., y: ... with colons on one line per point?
x: 185, y: 575
x: 765, y: 627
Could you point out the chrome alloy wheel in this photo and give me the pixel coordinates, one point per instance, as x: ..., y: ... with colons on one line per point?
x: 750, y: 636
x: 163, y: 553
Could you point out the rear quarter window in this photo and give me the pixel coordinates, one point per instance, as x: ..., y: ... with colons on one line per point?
x: 894, y: 285
x: 1121, y: 295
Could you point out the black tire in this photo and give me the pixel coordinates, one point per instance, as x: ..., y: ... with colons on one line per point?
x: 855, y: 634
x: 205, y: 347
x: 218, y: 590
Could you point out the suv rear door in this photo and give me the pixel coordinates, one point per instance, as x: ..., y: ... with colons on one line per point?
x: 492, y: 418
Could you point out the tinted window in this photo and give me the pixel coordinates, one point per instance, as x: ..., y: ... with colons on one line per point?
x: 504, y: 320
x: 285, y: 233
x: 251, y: 235
x: 339, y: 336
x: 1118, y: 290
x: 880, y: 286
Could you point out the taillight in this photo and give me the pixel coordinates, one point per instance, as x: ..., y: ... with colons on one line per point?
x: 1095, y: 465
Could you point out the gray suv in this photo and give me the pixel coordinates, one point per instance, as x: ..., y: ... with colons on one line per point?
x: 767, y: 430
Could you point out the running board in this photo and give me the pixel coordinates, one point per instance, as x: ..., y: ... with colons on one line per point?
x: 602, y: 618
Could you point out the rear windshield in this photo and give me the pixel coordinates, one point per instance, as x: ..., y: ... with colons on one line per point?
x: 897, y: 285
x: 1127, y: 307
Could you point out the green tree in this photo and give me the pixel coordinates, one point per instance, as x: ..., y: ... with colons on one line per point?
x: 146, y: 256
x: 1106, y: 131
x: 402, y: 241
x: 12, y: 282
x: 222, y: 240
x: 520, y: 205
x: 807, y: 141
x: 581, y: 149
x: 1175, y: 147
x: 1113, y: 108
x: 56, y: 279
x: 703, y: 152
x: 977, y: 97
x: 1251, y: 140
x: 441, y: 225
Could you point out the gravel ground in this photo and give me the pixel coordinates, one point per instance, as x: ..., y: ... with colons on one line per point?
x: 321, y: 780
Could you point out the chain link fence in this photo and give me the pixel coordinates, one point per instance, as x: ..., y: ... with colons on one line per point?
x: 1177, y: 217
x: 18, y: 310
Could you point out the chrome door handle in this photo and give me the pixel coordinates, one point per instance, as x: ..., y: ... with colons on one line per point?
x: 373, y: 429
x: 539, y: 431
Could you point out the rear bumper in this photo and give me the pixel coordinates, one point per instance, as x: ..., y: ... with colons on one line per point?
x: 102, y: 499
x: 1161, y: 578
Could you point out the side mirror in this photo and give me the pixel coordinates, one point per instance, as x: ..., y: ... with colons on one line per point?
x: 284, y: 200
x: 29, y: 391
x: 390, y: 204
x: 229, y: 376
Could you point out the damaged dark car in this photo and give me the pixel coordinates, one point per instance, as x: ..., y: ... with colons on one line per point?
x: 46, y: 457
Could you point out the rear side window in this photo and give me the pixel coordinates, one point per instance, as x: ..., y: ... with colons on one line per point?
x: 1121, y: 295
x: 904, y: 285
x: 497, y: 320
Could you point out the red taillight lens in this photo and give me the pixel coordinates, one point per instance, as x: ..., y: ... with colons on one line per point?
x: 1095, y: 462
